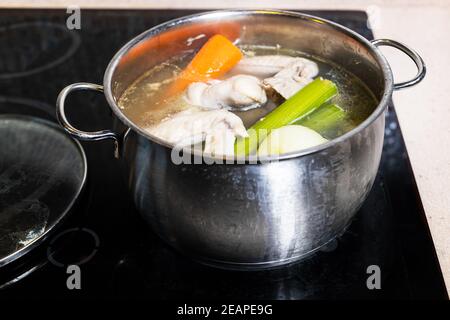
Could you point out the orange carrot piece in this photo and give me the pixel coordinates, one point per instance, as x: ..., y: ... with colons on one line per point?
x: 217, y: 56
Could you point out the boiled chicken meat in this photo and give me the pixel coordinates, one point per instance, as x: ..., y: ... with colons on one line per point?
x: 293, y: 77
x: 218, y: 128
x: 241, y: 92
x: 263, y: 66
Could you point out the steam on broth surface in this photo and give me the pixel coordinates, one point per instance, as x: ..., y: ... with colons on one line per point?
x: 146, y: 104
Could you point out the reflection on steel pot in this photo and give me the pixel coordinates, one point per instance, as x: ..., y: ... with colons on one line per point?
x: 250, y: 215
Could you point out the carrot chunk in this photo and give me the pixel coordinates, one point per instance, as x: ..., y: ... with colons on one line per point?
x: 217, y: 56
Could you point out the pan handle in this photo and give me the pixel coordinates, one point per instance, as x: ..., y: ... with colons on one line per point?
x: 79, y: 134
x: 421, y: 69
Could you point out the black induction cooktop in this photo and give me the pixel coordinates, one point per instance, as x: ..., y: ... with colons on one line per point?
x: 117, y: 253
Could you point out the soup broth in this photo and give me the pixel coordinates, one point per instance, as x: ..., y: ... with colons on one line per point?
x: 143, y: 105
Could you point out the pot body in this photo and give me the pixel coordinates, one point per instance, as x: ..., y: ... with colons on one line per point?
x: 249, y: 215
x: 253, y: 216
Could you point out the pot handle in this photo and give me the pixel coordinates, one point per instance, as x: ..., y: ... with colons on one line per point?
x: 79, y: 134
x: 421, y: 69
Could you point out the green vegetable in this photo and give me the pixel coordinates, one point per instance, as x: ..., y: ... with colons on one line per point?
x: 323, y: 118
x: 304, y: 101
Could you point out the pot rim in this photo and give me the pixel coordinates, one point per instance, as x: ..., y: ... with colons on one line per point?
x: 213, y: 15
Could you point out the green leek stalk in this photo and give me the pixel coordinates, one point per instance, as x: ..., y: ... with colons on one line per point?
x: 323, y: 118
x: 303, y: 102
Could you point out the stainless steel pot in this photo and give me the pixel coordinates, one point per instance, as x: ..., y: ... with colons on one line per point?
x: 250, y: 215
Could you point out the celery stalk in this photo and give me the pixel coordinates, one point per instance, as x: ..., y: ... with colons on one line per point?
x: 304, y: 101
x: 325, y: 117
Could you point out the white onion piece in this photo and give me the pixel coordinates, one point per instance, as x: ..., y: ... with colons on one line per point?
x: 289, y: 139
